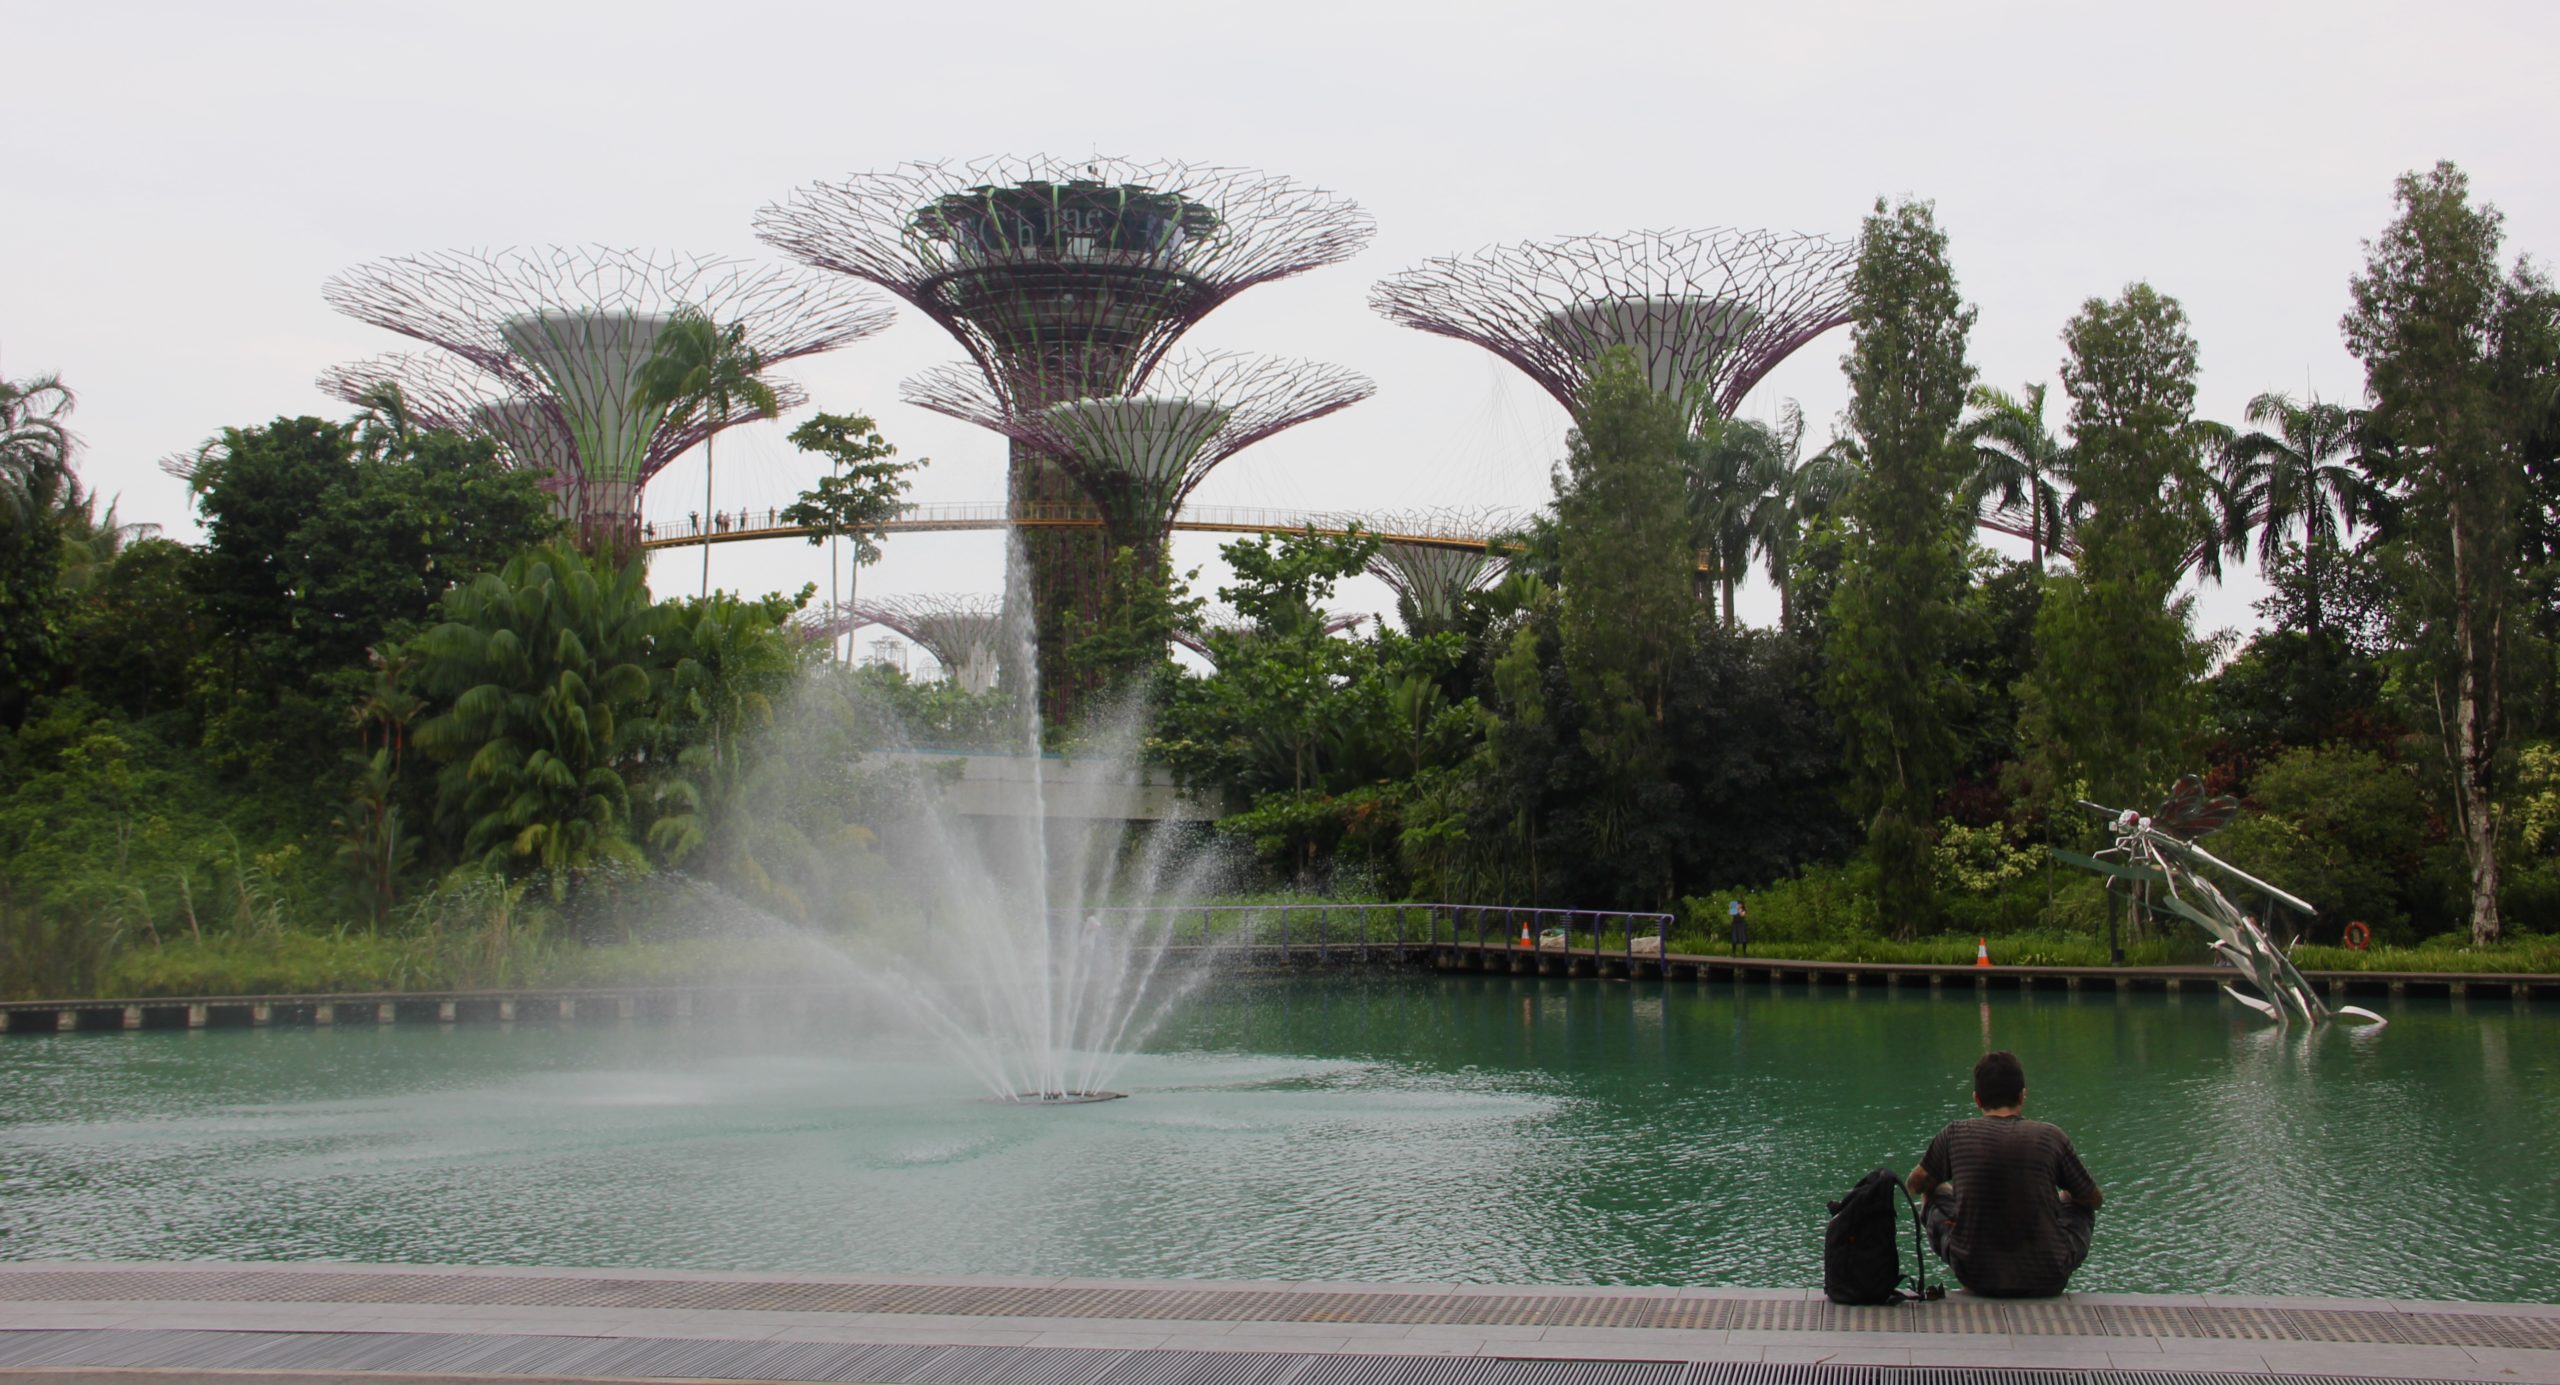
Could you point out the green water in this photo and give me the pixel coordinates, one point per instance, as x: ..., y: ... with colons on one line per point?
x: 1479, y: 1129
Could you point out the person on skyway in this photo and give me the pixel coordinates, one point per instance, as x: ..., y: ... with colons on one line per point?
x: 2010, y: 1207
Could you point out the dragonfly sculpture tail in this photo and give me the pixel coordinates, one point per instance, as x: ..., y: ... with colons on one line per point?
x: 2157, y: 859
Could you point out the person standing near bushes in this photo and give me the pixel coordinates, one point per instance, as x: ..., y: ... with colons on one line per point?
x: 1741, y: 923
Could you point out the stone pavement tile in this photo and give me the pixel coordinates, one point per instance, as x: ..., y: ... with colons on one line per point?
x: 39, y: 1320
x: 1375, y: 1332
x: 1837, y: 1356
x: 2223, y: 1360
x: 2034, y: 1356
x: 981, y: 1337
x: 1753, y: 1295
x: 1126, y: 1341
x: 2526, y: 1365
x: 1190, y: 1341
x: 1439, y: 1342
x: 2363, y: 1358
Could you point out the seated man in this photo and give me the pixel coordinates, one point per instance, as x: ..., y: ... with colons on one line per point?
x: 2010, y: 1207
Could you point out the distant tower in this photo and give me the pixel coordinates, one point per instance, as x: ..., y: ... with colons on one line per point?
x: 567, y: 328
x: 1707, y: 313
x: 1433, y: 558
x: 1064, y: 279
x: 1138, y: 456
x: 962, y: 633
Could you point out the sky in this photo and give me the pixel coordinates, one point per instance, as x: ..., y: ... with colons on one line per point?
x: 176, y: 180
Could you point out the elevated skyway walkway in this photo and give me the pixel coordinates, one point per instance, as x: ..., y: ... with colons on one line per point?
x: 944, y: 517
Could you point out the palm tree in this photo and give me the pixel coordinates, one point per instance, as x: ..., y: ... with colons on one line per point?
x: 1737, y: 481
x: 701, y: 369
x: 543, y: 673
x: 35, y: 448
x: 2302, y: 477
x: 2018, y: 464
x: 1814, y: 489
x: 91, y: 541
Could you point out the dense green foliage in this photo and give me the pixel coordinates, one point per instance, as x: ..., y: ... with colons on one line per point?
x: 1893, y: 687
x: 381, y: 728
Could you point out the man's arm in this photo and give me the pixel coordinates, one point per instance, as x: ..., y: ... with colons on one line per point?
x: 1921, y: 1183
x: 2072, y: 1178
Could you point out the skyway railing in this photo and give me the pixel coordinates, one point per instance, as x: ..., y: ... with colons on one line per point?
x: 743, y: 525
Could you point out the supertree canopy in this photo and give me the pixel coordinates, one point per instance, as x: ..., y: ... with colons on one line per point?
x: 963, y: 633
x: 1433, y: 558
x: 1064, y: 279
x: 571, y: 326
x: 447, y: 392
x: 1139, y: 456
x: 1193, y: 634
x: 1707, y: 313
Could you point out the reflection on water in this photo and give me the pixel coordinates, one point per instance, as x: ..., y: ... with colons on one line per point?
x: 1482, y: 1129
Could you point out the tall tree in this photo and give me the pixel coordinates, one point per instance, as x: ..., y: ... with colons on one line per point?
x: 858, y: 496
x: 2116, y: 667
x: 1894, y: 609
x: 2018, y: 463
x: 2460, y: 355
x: 1624, y: 535
x: 35, y: 471
x: 700, y: 369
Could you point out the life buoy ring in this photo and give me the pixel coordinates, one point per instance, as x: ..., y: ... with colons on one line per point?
x: 2359, y: 937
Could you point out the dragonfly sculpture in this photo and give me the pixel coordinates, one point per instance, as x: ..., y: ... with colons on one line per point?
x: 2156, y: 858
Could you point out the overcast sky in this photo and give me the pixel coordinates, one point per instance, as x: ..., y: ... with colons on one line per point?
x: 179, y: 179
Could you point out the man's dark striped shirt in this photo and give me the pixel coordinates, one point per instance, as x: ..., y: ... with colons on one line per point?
x: 2008, y: 1236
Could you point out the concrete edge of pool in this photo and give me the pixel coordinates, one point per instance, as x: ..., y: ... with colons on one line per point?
x: 309, y: 1321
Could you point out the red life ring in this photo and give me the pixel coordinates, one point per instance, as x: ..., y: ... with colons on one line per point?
x: 2359, y: 937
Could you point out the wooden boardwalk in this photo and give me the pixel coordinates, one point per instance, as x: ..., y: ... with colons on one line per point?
x: 589, y: 1005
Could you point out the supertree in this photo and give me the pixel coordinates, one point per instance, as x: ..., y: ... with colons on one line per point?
x: 571, y: 325
x: 962, y: 632
x: 1433, y: 558
x: 1064, y: 279
x: 448, y: 392
x: 1193, y: 634
x: 1707, y: 313
x: 1138, y: 456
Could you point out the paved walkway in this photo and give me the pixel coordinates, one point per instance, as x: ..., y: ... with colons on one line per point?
x: 328, y: 1320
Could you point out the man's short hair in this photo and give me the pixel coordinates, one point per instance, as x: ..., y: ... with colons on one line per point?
x: 1999, y: 1080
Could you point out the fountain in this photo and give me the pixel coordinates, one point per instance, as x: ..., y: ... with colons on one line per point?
x: 1026, y: 972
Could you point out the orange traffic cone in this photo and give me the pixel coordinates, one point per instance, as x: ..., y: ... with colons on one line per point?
x: 1525, y: 939
x: 1981, y: 952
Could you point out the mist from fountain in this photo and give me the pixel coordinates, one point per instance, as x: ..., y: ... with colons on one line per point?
x: 1046, y: 956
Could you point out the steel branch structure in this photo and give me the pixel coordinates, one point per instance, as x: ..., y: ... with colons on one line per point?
x: 1707, y: 312
x: 1431, y: 579
x: 571, y: 326
x: 1139, y: 456
x: 1064, y: 279
x: 963, y: 633
x: 1194, y: 634
x: 446, y: 392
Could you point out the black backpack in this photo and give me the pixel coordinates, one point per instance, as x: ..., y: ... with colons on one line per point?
x: 1861, y: 1250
